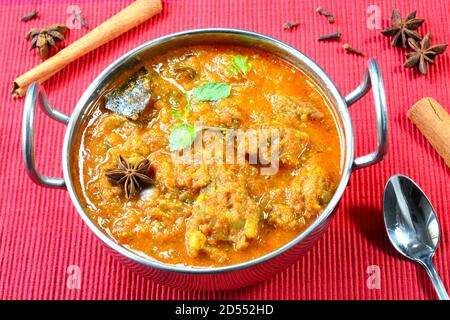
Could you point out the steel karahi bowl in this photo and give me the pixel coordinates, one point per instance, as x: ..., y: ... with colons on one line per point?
x: 237, y: 275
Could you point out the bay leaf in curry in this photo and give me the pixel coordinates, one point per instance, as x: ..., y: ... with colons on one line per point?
x: 131, y: 98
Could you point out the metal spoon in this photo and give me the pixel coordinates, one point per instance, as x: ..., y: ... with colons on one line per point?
x: 412, y: 225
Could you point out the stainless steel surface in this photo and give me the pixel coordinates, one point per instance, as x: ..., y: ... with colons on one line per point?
x: 374, y: 80
x: 412, y: 225
x: 36, y: 95
x: 249, y: 272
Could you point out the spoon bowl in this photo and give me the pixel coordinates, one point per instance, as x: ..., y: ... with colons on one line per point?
x: 412, y: 225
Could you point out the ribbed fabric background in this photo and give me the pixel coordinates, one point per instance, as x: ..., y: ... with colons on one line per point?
x: 41, y: 234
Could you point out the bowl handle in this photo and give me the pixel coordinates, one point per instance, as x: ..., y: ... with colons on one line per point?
x: 374, y: 80
x: 36, y: 95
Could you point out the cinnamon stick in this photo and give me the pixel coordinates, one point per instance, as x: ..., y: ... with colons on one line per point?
x: 131, y: 16
x: 434, y: 123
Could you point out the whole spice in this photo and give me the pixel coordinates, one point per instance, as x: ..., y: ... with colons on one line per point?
x: 332, y: 36
x: 403, y: 29
x: 326, y: 14
x: 290, y: 25
x: 81, y: 20
x: 132, y: 177
x: 30, y: 16
x: 45, y: 39
x: 434, y: 122
x: 423, y: 53
x: 350, y: 49
x: 131, y: 16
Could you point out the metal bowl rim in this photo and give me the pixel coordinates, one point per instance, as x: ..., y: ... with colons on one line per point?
x: 330, y: 88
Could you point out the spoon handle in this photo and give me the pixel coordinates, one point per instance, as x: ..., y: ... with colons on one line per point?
x: 435, y: 279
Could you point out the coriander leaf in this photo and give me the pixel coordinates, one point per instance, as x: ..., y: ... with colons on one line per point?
x: 177, y: 115
x: 232, y: 70
x: 212, y: 91
x: 240, y: 64
x: 188, y: 105
x: 181, y: 136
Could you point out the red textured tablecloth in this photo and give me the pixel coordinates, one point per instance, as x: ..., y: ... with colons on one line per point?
x: 41, y: 234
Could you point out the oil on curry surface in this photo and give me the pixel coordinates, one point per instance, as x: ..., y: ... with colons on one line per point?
x: 207, y: 213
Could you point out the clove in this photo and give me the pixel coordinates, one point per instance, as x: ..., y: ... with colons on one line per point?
x: 290, y: 25
x: 81, y: 20
x: 30, y: 16
x: 348, y: 48
x: 332, y: 36
x: 327, y: 14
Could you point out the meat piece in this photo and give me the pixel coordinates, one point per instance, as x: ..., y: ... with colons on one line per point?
x: 306, y: 196
x: 161, y: 219
x: 310, y: 191
x: 229, y: 113
x: 285, y: 217
x: 287, y: 106
x: 226, y: 114
x: 264, y: 146
x: 222, y: 213
x: 293, y: 143
x: 178, y: 176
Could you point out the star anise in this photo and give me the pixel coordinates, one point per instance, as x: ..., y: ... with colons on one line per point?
x: 131, y: 177
x: 423, y: 53
x: 45, y: 39
x: 403, y: 29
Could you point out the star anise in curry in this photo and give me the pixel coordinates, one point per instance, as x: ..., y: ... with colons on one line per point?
x: 423, y: 53
x: 403, y: 29
x: 45, y: 39
x: 132, y: 177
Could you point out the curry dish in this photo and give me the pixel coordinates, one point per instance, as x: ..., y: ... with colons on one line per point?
x: 206, y: 212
